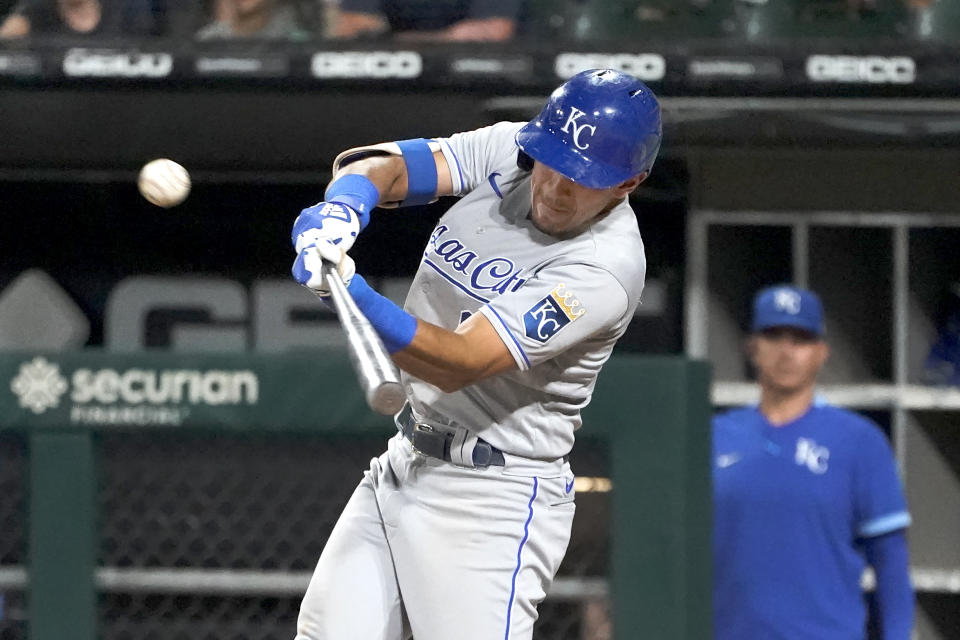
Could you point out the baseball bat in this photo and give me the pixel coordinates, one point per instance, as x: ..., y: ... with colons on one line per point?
x: 375, y: 371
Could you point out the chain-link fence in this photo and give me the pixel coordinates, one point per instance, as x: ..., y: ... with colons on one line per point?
x: 13, y: 541
x: 248, y: 508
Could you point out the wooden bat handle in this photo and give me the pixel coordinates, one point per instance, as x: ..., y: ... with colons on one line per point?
x: 375, y: 370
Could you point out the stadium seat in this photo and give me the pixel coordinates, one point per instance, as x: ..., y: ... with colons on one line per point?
x: 765, y: 19
x: 705, y: 19
x: 628, y: 20
x: 834, y: 19
x: 581, y: 20
x: 937, y: 21
x: 759, y: 20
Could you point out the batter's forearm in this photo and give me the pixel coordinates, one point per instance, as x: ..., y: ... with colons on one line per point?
x: 419, y: 362
x: 387, y: 173
x: 446, y: 359
x: 449, y: 360
x: 412, y: 343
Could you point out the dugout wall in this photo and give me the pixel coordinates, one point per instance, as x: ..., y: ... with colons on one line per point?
x: 162, y: 495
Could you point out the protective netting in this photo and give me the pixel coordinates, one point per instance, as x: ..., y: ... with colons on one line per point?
x: 13, y: 624
x: 228, y: 502
x: 194, y: 617
x: 267, y: 504
x: 172, y: 617
x: 12, y: 495
x: 13, y: 544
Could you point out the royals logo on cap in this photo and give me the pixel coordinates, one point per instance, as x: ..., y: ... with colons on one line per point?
x: 551, y: 314
x: 787, y: 306
x: 787, y: 300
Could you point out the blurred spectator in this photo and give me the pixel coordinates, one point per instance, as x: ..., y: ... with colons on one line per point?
x: 942, y: 364
x: 935, y: 20
x: 81, y: 18
x: 426, y: 21
x: 597, y: 624
x: 257, y: 19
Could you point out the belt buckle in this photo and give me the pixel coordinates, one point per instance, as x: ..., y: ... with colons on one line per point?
x: 427, y: 440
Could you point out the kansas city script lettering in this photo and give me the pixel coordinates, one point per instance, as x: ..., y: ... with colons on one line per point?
x: 497, y: 274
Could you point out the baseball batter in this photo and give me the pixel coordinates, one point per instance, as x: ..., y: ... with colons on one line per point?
x: 805, y: 496
x: 524, y: 287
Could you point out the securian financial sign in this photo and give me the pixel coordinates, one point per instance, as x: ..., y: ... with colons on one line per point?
x: 131, y: 396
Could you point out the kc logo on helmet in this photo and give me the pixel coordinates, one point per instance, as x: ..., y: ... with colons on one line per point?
x: 575, y: 114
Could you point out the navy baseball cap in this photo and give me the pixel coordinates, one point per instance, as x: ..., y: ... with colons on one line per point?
x: 787, y: 306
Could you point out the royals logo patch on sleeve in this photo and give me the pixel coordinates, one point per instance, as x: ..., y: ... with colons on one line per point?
x: 551, y: 314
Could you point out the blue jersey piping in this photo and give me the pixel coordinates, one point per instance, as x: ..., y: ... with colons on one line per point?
x: 513, y: 581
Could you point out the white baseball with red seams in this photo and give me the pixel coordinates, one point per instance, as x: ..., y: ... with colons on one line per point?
x: 164, y: 182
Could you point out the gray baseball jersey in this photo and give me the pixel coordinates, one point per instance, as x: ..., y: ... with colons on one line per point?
x: 559, y: 305
x: 439, y: 550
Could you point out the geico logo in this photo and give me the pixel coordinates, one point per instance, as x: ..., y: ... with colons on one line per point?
x: 869, y: 69
x: 363, y: 64
x: 645, y: 66
x: 138, y: 386
x: 226, y: 316
x: 16, y: 62
x: 84, y: 62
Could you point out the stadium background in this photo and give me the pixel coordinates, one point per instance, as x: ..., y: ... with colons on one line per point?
x: 813, y: 148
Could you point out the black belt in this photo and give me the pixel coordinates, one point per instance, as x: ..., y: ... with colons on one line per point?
x: 435, y: 442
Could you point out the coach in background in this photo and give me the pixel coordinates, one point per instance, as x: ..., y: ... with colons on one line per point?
x: 806, y: 495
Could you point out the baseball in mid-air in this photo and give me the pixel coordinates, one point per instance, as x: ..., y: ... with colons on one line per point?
x: 164, y: 182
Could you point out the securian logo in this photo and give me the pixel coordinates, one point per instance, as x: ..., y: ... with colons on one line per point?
x: 39, y: 385
x: 134, y: 396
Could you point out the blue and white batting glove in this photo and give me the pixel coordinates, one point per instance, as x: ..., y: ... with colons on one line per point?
x: 307, y: 267
x: 325, y: 221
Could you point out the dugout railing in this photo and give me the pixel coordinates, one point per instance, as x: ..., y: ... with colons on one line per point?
x: 100, y: 451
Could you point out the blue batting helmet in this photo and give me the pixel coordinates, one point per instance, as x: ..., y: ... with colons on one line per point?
x: 599, y: 128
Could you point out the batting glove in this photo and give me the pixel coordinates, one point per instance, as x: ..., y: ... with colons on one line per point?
x: 307, y: 267
x: 325, y: 222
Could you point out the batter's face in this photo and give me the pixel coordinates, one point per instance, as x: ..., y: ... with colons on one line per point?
x: 787, y: 360
x: 562, y: 208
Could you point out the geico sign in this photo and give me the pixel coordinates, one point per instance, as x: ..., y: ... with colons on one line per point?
x: 174, y: 386
x: 223, y: 315
x: 862, y: 69
x: 645, y: 66
x: 87, y: 62
x: 366, y: 64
